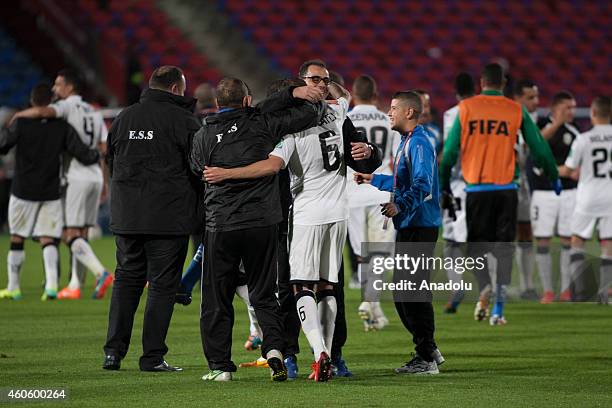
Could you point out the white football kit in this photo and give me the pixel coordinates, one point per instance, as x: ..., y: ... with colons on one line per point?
x: 455, y: 231
x: 35, y: 218
x: 315, y: 158
x: 592, y: 153
x: 84, y: 182
x: 365, y: 222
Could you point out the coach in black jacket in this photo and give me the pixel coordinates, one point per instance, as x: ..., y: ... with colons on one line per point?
x: 242, y: 216
x: 153, y: 211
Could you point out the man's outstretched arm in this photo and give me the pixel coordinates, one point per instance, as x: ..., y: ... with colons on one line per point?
x: 36, y: 112
x: 263, y: 168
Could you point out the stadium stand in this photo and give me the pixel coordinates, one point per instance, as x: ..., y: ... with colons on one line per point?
x: 417, y: 45
x: 138, y: 30
x: 18, y: 74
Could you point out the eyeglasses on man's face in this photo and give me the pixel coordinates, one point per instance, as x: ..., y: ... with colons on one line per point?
x: 316, y: 79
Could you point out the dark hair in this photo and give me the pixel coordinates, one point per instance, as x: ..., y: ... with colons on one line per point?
x: 493, y: 75
x: 205, y: 94
x: 520, y: 85
x: 41, y: 95
x: 420, y: 92
x: 165, y: 76
x: 365, y: 88
x: 73, y: 78
x: 560, y: 97
x: 412, y: 99
x: 602, y: 107
x: 283, y: 83
x: 336, y: 77
x: 304, y: 67
x: 231, y: 92
x: 464, y: 85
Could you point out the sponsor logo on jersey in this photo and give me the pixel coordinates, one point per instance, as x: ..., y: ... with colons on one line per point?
x: 141, y: 135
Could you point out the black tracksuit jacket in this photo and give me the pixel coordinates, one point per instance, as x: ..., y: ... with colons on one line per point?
x: 240, y: 137
x: 41, y: 144
x: 152, y: 189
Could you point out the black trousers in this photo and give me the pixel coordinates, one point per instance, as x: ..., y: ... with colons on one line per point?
x: 418, y: 317
x: 257, y: 248
x: 491, y: 223
x: 286, y: 297
x: 340, y: 332
x: 157, y: 259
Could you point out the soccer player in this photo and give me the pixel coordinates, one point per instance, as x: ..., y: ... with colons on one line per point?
x: 365, y: 222
x: 551, y: 214
x: 591, y: 153
x: 526, y: 93
x: 455, y: 229
x: 486, y: 130
x: 242, y: 218
x: 35, y: 208
x: 85, y: 183
x: 316, y: 159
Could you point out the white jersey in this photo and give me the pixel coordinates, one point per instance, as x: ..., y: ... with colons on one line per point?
x: 375, y: 125
x: 315, y: 158
x: 90, y: 126
x: 592, y: 153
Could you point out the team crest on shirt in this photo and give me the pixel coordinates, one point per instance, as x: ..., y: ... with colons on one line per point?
x: 567, y: 138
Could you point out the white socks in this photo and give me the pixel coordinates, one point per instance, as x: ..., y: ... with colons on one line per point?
x: 566, y: 274
x: 524, y: 254
x: 327, y: 309
x: 50, y: 259
x: 255, y: 329
x: 81, y: 250
x: 309, y: 317
x: 544, y: 262
x: 76, y: 272
x: 14, y: 261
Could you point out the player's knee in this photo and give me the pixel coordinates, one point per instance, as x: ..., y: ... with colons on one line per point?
x: 75, y: 242
x: 303, y: 290
x: 17, y: 240
x: 45, y: 241
x: 17, y: 245
x: 323, y: 293
x: 70, y: 234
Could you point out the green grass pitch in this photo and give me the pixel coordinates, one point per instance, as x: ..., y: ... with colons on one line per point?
x: 553, y: 355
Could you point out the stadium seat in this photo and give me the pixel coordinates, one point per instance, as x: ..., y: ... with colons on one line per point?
x: 519, y: 31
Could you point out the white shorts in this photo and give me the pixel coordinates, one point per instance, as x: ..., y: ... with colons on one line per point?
x: 524, y: 202
x: 315, y: 252
x: 583, y: 225
x: 549, y: 211
x: 456, y: 231
x: 81, y: 203
x: 365, y: 224
x: 35, y: 218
